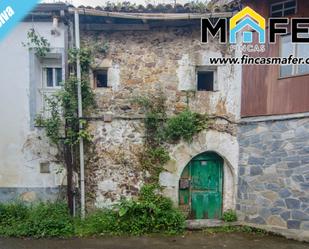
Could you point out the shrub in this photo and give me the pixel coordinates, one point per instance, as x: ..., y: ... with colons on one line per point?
x: 184, y: 126
x: 229, y: 216
x: 50, y: 220
x: 151, y: 213
x: 13, y: 219
x: 40, y: 220
x: 99, y: 222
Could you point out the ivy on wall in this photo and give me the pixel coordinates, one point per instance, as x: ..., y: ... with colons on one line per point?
x: 60, y: 116
x: 161, y: 131
x: 60, y: 119
x: 37, y: 42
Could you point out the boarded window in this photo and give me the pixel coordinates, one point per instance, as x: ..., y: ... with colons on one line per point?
x: 101, y: 78
x: 205, y: 80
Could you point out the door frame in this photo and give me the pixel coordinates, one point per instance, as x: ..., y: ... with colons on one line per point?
x: 189, y: 165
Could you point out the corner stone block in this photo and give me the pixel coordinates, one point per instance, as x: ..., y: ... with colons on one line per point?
x: 168, y: 180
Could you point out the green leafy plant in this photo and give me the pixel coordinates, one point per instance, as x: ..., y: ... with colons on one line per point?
x: 85, y: 56
x: 185, y: 125
x: 61, y: 119
x: 38, y: 221
x: 155, y: 156
x: 150, y: 213
x: 229, y: 216
x: 37, y: 42
x: 161, y: 130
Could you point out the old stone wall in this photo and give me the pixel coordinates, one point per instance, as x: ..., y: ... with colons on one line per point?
x: 274, y: 173
x: 143, y: 63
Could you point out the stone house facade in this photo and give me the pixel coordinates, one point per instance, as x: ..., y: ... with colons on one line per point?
x: 256, y: 146
x: 159, y: 58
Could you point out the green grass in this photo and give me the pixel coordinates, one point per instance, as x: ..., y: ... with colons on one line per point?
x: 233, y: 229
x: 150, y: 213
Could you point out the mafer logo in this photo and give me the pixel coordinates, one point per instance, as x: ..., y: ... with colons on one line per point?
x: 248, y: 21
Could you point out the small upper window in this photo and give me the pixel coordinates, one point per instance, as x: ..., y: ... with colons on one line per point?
x: 288, y: 48
x: 52, y: 77
x: 206, y: 80
x: 100, y: 78
x: 283, y: 8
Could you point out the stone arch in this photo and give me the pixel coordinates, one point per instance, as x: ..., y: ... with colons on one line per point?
x: 223, y: 144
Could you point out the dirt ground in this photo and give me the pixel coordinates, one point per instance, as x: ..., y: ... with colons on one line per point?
x: 189, y: 241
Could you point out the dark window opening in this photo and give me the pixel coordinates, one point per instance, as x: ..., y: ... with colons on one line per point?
x: 289, y: 12
x: 101, y: 78
x: 290, y: 4
x: 284, y: 8
x: 49, y: 77
x: 205, y: 81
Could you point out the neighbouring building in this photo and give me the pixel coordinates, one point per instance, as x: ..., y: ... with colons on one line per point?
x: 28, y: 164
x: 274, y: 131
x: 254, y: 156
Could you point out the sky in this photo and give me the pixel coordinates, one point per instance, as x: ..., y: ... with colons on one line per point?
x: 102, y: 2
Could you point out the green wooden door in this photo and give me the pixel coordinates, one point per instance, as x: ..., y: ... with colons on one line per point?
x: 205, y: 174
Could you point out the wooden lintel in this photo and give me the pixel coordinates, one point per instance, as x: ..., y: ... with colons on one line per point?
x: 151, y: 16
x: 114, y: 27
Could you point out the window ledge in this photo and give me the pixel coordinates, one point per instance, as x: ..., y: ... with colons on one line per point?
x: 293, y: 76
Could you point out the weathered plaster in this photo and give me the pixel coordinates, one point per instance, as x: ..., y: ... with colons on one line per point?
x: 22, y: 148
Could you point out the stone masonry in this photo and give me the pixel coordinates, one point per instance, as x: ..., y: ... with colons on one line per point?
x: 146, y: 63
x: 273, y: 185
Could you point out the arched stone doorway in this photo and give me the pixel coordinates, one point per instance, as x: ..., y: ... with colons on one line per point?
x: 223, y: 144
x: 201, y: 187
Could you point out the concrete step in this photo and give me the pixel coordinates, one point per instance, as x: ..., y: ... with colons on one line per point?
x: 205, y: 223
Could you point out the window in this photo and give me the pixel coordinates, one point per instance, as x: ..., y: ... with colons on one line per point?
x: 52, y: 77
x: 284, y: 8
x: 100, y: 78
x: 205, y: 80
x: 288, y: 48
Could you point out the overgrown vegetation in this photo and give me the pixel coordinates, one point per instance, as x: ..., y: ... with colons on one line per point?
x: 229, y: 216
x: 161, y: 130
x: 150, y: 213
x: 185, y: 125
x: 38, y: 43
x: 61, y: 119
x: 38, y: 221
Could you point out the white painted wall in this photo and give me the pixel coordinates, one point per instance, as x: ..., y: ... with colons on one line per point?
x: 19, y: 157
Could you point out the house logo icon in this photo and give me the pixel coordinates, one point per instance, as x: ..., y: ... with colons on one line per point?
x: 247, y: 18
